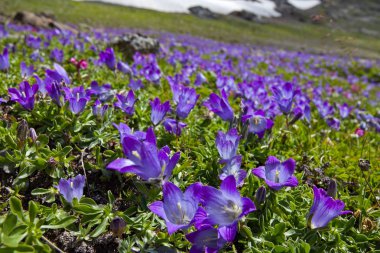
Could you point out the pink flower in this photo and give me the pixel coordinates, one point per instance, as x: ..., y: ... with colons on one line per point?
x: 360, y: 132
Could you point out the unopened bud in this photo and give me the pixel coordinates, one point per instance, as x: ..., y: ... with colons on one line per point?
x: 260, y: 195
x: 332, y: 189
x: 117, y: 226
x: 364, y: 164
x: 33, y: 134
x: 22, y: 132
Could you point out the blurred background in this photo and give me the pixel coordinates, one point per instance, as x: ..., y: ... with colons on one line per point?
x: 348, y: 27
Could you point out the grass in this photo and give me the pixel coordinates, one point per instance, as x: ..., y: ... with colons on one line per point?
x: 283, y: 34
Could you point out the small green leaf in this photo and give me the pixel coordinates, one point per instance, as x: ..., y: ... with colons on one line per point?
x: 9, y: 223
x: 100, y: 228
x: 33, y: 211
x: 40, y: 191
x: 16, y: 207
x: 65, y: 222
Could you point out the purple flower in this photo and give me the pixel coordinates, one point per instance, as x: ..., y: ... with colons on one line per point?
x: 258, y: 123
x: 59, y: 74
x: 277, y: 174
x: 152, y: 72
x: 344, y: 110
x: 324, y: 209
x: 126, y: 103
x: 135, y: 84
x: 185, y: 98
x: 225, y: 207
x: 124, y: 130
x: 177, y: 209
x: 108, y: 57
x: 200, y: 79
x: 158, y: 110
x: 174, y: 127
x: 144, y: 159
x: 227, y: 144
x: 98, y: 109
x: 4, y: 60
x: 324, y: 108
x: 71, y: 188
x: 284, y: 97
x: 232, y: 167
x: 33, y: 41
x: 56, y: 55
x: 103, y: 92
x: 77, y: 98
x: 54, y: 91
x: 220, y: 106
x: 26, y: 71
x: 124, y: 68
x: 333, y: 122
x: 24, y: 96
x: 206, y: 239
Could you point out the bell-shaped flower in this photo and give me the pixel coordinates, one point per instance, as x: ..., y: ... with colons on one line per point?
x: 56, y: 55
x: 284, y: 96
x: 126, y: 103
x: 232, y: 167
x: 71, y: 188
x: 4, y: 60
x: 125, y: 130
x: 158, y: 110
x: 103, y: 92
x: 344, y: 110
x: 25, y: 95
x: 173, y: 126
x: 225, y: 207
x: 324, y: 209
x: 324, y: 108
x: 185, y: 98
x: 108, y: 57
x: 206, y: 239
x: 227, y: 144
x: 333, y: 122
x: 220, y: 106
x: 54, y: 90
x: 26, y: 71
x: 258, y: 123
x: 177, y: 209
x: 98, y: 109
x: 59, y: 74
x: 144, y: 159
x: 77, y: 98
x: 277, y: 174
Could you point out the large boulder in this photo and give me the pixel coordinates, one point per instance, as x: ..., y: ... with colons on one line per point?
x: 246, y: 15
x: 202, y: 12
x: 129, y: 44
x: 42, y: 20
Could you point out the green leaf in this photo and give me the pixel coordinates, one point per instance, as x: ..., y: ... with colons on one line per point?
x: 9, y: 223
x: 65, y: 222
x: 100, y: 228
x: 16, y: 207
x: 87, y: 209
x: 40, y: 191
x: 33, y: 211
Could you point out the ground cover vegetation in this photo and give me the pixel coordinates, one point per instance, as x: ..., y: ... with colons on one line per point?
x: 203, y: 147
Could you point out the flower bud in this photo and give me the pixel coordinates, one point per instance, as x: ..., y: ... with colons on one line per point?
x: 117, y: 226
x: 33, y: 134
x: 22, y: 132
x: 260, y: 195
x: 332, y: 189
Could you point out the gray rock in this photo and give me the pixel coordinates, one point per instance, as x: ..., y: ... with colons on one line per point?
x: 202, y: 12
x: 129, y: 44
x: 246, y: 15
